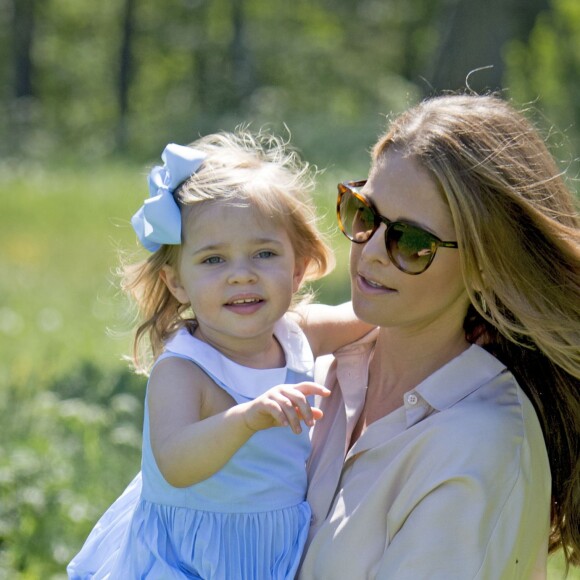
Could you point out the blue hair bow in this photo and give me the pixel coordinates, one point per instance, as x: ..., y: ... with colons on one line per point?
x: 158, y: 221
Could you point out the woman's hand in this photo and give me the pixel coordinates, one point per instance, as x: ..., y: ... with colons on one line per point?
x: 284, y: 405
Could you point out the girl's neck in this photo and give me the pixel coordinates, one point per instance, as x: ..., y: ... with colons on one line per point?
x: 259, y: 353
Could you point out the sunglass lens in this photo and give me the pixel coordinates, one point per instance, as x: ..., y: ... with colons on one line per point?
x: 356, y: 217
x: 410, y: 247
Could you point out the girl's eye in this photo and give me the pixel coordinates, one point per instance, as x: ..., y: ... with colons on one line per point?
x: 213, y: 260
x: 265, y: 254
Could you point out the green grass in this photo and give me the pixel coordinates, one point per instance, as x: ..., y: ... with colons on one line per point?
x: 70, y: 409
x: 59, y: 235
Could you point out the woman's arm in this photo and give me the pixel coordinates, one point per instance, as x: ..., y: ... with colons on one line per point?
x: 330, y: 327
x: 190, y: 446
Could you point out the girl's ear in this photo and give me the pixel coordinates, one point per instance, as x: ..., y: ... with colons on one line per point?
x: 171, y: 279
x: 299, y: 271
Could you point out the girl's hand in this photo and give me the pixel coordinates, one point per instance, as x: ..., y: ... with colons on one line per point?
x: 284, y: 405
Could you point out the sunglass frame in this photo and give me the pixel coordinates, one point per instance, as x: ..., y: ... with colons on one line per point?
x: 350, y: 188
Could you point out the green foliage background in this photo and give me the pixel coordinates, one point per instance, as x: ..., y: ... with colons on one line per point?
x: 72, y: 173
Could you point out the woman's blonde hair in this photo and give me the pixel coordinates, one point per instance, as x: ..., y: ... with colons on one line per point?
x: 518, y: 230
x: 240, y: 169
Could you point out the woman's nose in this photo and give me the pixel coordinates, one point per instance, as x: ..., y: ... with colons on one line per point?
x: 375, y: 249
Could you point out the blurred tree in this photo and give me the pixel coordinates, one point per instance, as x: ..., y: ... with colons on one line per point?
x: 74, y: 109
x: 128, y: 75
x: 201, y: 58
x: 23, y: 14
x: 19, y: 110
x: 545, y: 69
x: 473, y: 36
x: 241, y: 61
x: 126, y: 63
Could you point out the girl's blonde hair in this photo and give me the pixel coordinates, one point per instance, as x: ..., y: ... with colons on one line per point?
x: 239, y: 169
x: 519, y: 240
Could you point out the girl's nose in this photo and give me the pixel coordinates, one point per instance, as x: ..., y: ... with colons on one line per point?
x: 242, y: 273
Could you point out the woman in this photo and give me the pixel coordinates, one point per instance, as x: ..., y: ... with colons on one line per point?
x: 433, y: 460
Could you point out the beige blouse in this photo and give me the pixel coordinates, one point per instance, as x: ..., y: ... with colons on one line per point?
x: 455, y: 484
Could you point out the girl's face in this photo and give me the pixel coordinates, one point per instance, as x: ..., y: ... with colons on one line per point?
x: 237, y: 270
x: 403, y: 190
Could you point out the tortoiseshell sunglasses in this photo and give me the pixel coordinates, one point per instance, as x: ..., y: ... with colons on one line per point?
x: 410, y: 248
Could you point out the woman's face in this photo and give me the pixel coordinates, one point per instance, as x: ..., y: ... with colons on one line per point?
x: 403, y: 190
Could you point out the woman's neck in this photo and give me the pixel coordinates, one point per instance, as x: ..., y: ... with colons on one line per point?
x: 401, y: 360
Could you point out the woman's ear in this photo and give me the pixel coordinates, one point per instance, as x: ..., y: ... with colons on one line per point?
x: 299, y: 271
x: 171, y: 279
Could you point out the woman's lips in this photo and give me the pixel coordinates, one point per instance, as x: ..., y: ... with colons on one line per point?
x: 369, y: 286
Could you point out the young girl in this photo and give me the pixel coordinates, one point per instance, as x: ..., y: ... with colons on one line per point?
x: 223, y: 487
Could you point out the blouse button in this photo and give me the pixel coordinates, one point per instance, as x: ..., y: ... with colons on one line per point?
x: 412, y: 399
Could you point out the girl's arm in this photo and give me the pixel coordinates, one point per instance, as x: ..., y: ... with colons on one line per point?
x: 190, y: 446
x: 330, y: 327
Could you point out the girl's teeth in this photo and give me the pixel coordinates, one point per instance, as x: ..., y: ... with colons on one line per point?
x: 245, y: 301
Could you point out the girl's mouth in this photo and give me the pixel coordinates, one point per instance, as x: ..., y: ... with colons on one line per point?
x: 245, y: 304
x: 245, y: 301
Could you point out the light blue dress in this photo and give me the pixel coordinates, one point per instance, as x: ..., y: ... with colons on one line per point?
x: 248, y: 521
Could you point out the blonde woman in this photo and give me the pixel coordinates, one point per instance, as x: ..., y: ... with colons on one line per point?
x: 450, y: 442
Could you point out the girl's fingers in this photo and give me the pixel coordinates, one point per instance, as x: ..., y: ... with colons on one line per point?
x: 308, y: 388
x: 289, y: 412
x: 313, y: 414
x: 301, y: 408
x: 317, y: 413
x: 286, y: 405
x: 276, y: 412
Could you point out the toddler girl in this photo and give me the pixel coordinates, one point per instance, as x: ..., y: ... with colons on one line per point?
x: 222, y: 495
